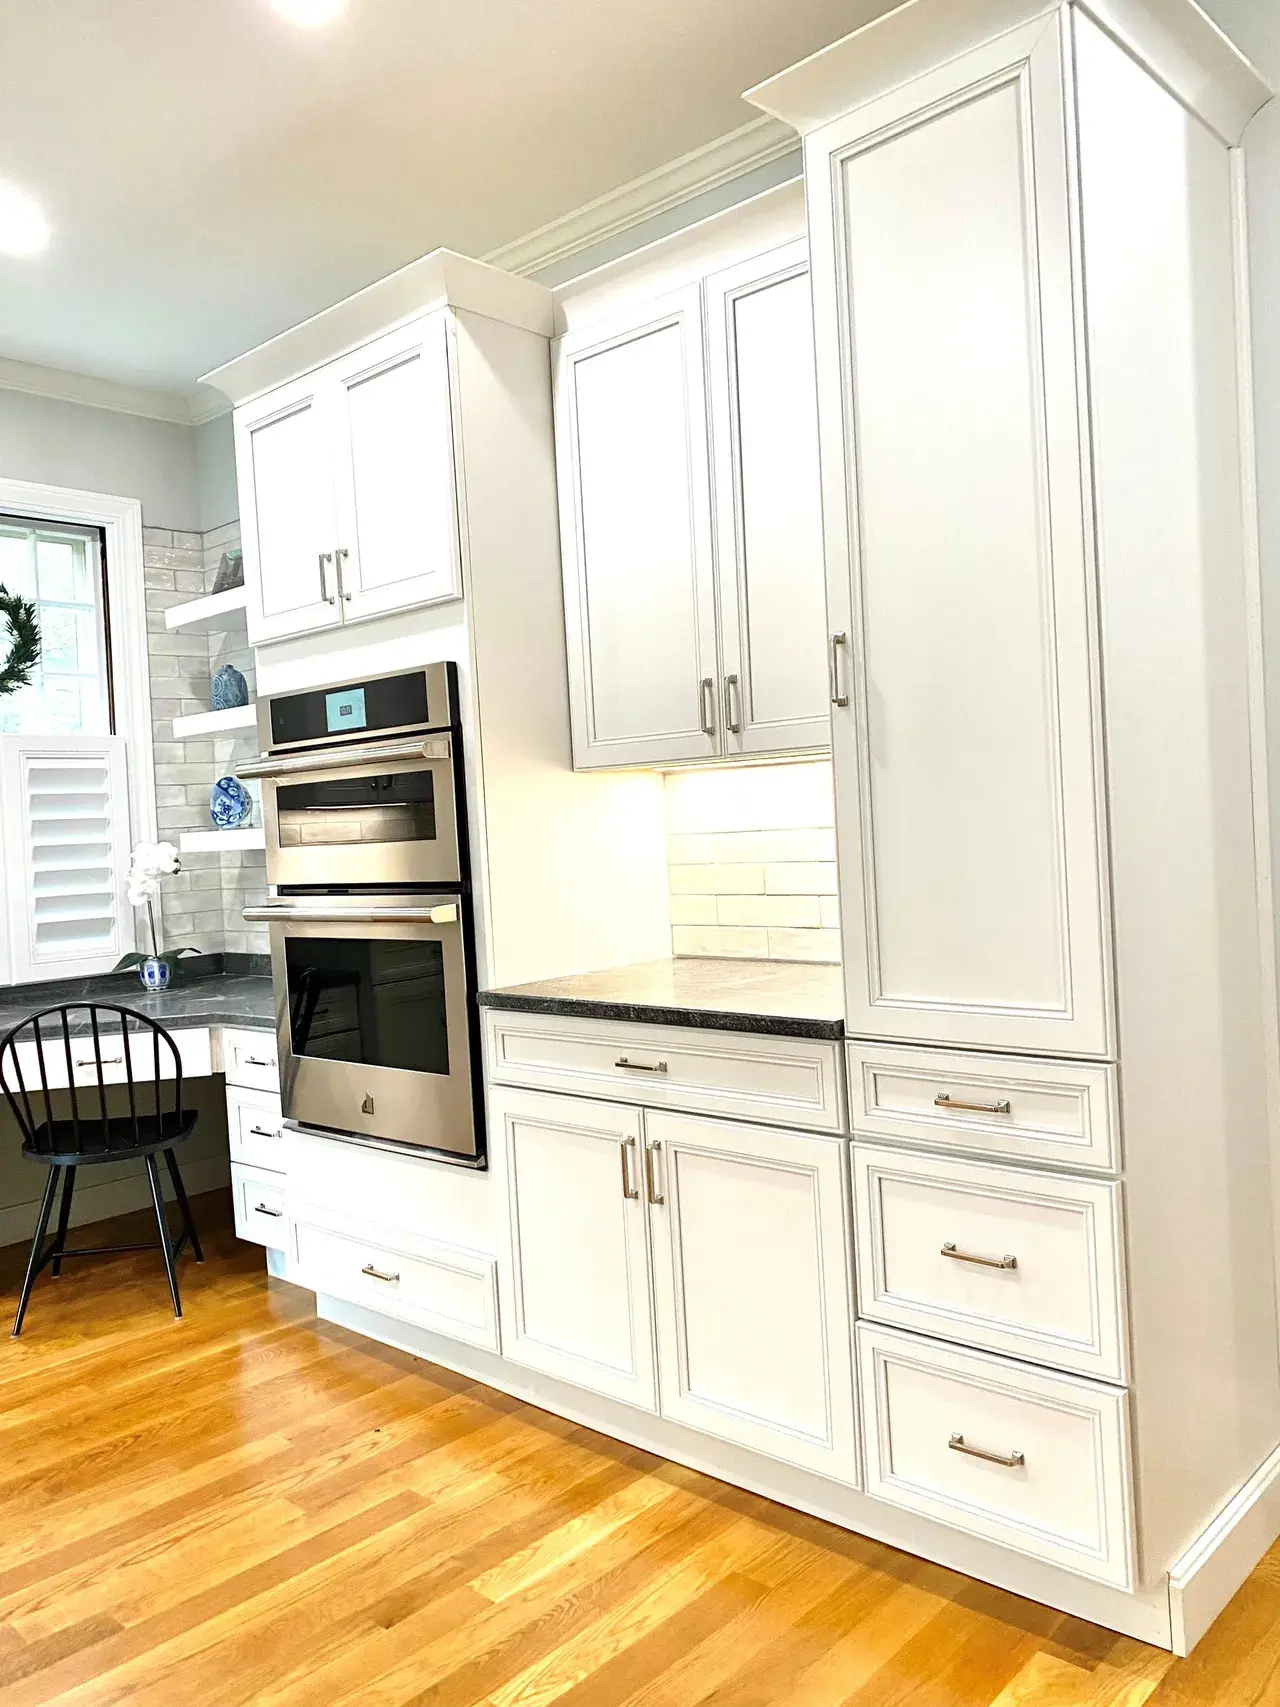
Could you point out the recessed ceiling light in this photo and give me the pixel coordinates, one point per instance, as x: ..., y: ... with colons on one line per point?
x: 24, y: 230
x: 310, y: 14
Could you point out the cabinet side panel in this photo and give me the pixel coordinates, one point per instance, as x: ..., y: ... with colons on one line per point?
x: 1159, y: 270
x: 575, y: 864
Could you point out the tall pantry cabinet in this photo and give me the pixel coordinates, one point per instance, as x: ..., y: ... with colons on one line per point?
x: 1033, y: 370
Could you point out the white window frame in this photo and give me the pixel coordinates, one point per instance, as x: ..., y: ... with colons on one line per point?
x: 121, y: 522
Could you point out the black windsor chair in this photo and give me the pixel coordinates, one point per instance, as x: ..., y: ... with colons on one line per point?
x: 42, y: 1055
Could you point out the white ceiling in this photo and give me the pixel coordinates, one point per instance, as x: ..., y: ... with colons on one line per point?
x: 214, y: 174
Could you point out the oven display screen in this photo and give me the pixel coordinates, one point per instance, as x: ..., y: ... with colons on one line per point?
x: 345, y: 710
x: 374, y: 1003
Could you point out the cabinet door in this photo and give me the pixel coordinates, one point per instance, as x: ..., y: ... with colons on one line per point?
x: 575, y: 1283
x: 632, y: 463
x: 752, y: 1283
x: 394, y: 476
x: 764, y: 413
x: 968, y: 764
x: 283, y: 462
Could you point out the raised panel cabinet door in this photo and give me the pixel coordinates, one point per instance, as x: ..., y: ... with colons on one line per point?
x: 752, y: 1284
x: 966, y: 745
x: 283, y: 470
x: 633, y: 471
x: 574, y: 1285
x: 394, y: 482
x: 768, y: 498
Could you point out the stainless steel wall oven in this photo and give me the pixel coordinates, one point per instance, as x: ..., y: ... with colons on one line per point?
x: 372, y: 929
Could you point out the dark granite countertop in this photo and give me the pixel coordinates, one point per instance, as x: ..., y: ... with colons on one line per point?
x: 777, y: 998
x: 237, y: 992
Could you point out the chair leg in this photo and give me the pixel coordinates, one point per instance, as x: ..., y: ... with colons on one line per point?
x: 64, y: 1215
x: 180, y: 1193
x: 33, y: 1261
x: 157, y: 1198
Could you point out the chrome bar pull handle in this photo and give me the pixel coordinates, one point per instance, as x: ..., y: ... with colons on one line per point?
x: 732, y: 698
x: 641, y: 1066
x: 1006, y: 1460
x: 107, y: 1061
x: 707, y: 694
x: 379, y: 1274
x: 950, y: 1250
x: 839, y: 692
x: 262, y: 1132
x: 651, y: 1188
x: 261, y: 1209
x: 328, y: 597
x: 944, y: 1099
x: 339, y: 558
x: 628, y: 1190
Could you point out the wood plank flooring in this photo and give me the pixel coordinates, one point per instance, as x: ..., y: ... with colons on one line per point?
x: 253, y: 1507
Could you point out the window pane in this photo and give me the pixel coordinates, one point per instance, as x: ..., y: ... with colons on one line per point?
x: 15, y: 565
x: 63, y: 572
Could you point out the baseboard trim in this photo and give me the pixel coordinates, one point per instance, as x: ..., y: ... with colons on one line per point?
x: 1143, y: 1614
x: 1222, y: 1555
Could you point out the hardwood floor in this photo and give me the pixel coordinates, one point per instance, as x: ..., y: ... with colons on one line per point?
x: 252, y: 1507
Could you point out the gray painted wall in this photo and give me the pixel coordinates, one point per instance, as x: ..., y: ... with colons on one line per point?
x: 216, y: 473
x: 101, y: 450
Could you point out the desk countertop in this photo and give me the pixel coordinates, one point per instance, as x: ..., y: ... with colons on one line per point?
x: 213, y: 997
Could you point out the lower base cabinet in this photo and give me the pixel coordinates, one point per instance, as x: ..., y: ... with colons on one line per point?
x: 699, y: 1268
x: 258, y: 1200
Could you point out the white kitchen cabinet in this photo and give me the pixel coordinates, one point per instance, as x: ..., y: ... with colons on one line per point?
x: 764, y: 436
x: 283, y: 470
x: 575, y: 1284
x: 751, y: 1259
x: 732, y: 1239
x: 636, y: 528
x: 348, y: 487
x: 967, y: 753
x: 689, y: 640
x: 396, y: 535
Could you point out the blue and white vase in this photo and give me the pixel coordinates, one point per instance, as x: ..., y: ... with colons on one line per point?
x: 230, y: 803
x: 228, y: 689
x: 154, y: 973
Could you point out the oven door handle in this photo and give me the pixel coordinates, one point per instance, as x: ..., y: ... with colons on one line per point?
x: 346, y: 758
x: 282, y: 913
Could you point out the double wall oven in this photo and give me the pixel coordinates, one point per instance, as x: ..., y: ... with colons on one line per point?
x: 371, y: 924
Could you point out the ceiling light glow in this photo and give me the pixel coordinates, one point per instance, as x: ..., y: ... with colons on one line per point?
x: 24, y: 230
x: 309, y: 14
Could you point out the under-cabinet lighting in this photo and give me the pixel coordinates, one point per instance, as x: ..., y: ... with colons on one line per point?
x: 310, y: 14
x: 24, y: 230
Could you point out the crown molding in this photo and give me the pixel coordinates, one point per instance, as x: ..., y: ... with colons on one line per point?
x: 94, y: 393
x: 754, y: 144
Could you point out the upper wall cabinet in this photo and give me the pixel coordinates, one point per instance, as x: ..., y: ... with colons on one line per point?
x: 691, y: 522
x: 968, y: 759
x: 348, y: 487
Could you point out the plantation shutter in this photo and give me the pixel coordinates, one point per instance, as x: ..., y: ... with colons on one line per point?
x: 65, y: 848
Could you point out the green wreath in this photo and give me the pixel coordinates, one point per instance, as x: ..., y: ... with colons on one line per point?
x: 24, y: 655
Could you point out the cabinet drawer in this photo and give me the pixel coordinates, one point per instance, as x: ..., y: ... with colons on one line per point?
x: 448, y: 1290
x: 1029, y: 1460
x: 259, y: 1207
x: 249, y: 1059
x: 1047, y: 1111
x: 784, y: 1081
x: 254, y: 1129
x: 1003, y: 1258
x: 193, y: 1050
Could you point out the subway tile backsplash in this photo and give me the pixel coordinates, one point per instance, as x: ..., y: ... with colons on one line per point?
x: 751, y: 859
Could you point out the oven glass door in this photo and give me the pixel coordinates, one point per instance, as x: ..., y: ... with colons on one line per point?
x: 374, y: 1025
x: 388, y: 823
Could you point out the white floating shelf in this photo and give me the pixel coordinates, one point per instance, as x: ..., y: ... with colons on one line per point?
x: 221, y: 841
x: 202, y: 616
x: 215, y: 722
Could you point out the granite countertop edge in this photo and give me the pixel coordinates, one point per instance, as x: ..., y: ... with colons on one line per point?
x: 646, y: 1013
x: 242, y: 1000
